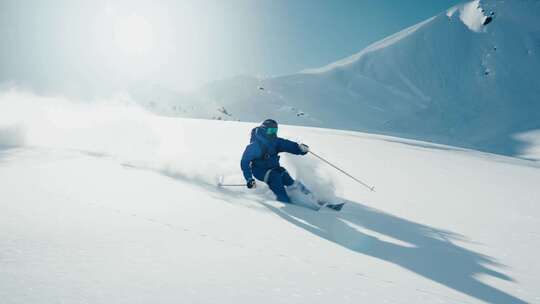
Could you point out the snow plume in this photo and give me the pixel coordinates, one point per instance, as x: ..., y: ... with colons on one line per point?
x: 313, y: 175
x: 113, y: 128
x: 104, y: 127
x: 11, y: 136
x: 199, y: 151
x: 192, y: 150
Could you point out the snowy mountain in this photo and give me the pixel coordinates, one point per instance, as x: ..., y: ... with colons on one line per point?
x: 465, y: 77
x: 106, y: 203
x: 113, y: 202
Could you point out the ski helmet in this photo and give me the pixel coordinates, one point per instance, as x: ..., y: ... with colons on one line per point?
x: 269, y: 123
x: 271, y: 127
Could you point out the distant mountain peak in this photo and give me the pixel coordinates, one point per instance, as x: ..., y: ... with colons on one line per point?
x: 457, y: 78
x: 472, y: 14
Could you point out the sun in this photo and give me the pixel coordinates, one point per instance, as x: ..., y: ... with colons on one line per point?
x: 133, y: 35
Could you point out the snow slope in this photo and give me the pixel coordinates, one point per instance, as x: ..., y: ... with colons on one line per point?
x: 110, y: 204
x: 449, y: 79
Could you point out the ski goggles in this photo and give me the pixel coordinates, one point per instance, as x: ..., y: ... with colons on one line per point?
x: 271, y: 131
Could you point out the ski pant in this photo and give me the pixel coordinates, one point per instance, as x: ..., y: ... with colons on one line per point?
x: 277, y: 179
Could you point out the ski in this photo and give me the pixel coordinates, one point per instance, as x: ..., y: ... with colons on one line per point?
x: 335, y: 207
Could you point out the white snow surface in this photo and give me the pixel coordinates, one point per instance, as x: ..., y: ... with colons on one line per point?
x: 110, y: 204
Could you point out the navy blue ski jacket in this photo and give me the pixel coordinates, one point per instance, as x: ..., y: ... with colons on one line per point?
x: 262, y: 153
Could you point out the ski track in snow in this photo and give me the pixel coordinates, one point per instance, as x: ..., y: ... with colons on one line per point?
x: 342, y: 268
x: 272, y: 254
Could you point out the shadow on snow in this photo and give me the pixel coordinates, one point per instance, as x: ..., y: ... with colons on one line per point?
x: 430, y: 251
x: 432, y: 255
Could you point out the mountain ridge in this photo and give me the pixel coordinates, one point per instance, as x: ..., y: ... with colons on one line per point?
x: 451, y: 79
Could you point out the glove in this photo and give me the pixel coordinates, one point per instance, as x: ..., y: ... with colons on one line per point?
x: 304, y: 148
x: 251, y: 184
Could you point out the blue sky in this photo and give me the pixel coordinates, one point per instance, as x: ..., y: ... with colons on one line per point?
x: 90, y: 48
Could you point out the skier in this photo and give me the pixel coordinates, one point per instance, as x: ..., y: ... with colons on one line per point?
x: 261, y: 159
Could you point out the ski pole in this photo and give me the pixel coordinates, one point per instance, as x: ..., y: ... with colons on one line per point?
x: 231, y: 185
x: 372, y: 188
x: 221, y: 184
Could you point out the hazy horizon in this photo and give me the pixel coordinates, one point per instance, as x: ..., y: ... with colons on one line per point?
x: 89, y: 49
